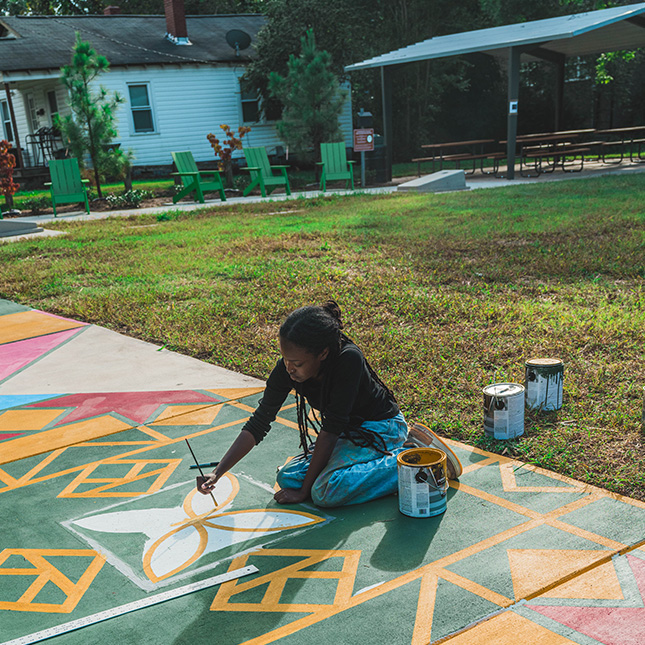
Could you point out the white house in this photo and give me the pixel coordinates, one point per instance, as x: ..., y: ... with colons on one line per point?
x: 179, y: 76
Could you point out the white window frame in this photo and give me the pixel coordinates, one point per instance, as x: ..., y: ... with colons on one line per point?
x: 263, y: 119
x: 49, y: 105
x: 257, y: 100
x: 5, y: 117
x: 150, y: 107
x: 32, y: 113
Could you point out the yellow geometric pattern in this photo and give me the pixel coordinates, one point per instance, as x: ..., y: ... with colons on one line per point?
x: 78, y: 435
x: 600, y: 583
x: 508, y: 629
x: 46, y: 572
x: 21, y: 420
x: 509, y: 482
x: 134, y: 474
x: 189, y: 415
x: 276, y: 581
x: 60, y: 437
x: 29, y: 324
x: 538, y: 569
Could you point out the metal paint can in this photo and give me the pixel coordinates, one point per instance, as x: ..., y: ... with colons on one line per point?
x: 423, y: 482
x: 504, y: 410
x: 543, y: 382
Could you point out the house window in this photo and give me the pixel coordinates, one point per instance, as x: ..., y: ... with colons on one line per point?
x: 5, y: 116
x: 141, y: 108
x: 34, y: 121
x: 53, y: 103
x: 250, y: 98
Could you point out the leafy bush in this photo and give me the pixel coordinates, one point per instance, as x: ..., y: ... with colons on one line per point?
x: 129, y: 199
x: 36, y: 204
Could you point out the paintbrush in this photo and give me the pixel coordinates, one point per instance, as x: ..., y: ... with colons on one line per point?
x: 201, y: 472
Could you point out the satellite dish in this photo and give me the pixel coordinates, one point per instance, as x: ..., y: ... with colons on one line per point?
x: 238, y: 40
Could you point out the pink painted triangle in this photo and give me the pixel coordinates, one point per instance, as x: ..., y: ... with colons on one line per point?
x: 9, y: 435
x: 14, y: 356
x: 136, y: 406
x: 608, y: 625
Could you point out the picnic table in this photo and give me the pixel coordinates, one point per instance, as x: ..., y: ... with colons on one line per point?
x: 627, y: 138
x: 545, y: 151
x: 458, y: 151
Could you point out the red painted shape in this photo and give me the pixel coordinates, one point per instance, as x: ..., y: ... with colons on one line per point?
x: 136, y: 406
x: 608, y: 625
x: 9, y: 435
x: 14, y: 356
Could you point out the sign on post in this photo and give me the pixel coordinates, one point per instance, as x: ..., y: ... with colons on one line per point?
x: 364, y: 140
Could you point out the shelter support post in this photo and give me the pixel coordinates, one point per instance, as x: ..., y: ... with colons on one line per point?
x: 14, y: 127
x: 513, y: 103
x: 386, y: 96
x: 559, y: 94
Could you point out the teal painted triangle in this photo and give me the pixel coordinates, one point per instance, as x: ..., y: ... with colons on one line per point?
x: 388, y: 618
x: 455, y: 608
x: 9, y: 307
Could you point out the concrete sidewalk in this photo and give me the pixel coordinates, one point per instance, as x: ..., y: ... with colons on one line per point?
x: 100, y: 515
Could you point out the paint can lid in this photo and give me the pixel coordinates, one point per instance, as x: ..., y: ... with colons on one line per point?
x: 504, y: 389
x: 543, y: 362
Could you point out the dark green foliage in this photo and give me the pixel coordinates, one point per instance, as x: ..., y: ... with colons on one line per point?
x: 90, y: 128
x: 311, y: 97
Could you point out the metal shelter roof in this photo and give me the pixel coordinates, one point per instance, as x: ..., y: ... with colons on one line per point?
x: 574, y: 35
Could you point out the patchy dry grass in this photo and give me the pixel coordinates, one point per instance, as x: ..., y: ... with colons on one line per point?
x: 445, y: 293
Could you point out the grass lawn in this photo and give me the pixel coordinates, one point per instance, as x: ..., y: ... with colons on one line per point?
x: 445, y: 293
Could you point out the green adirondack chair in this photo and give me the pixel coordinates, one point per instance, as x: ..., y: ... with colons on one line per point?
x: 66, y: 185
x: 262, y: 172
x: 194, y: 180
x: 335, y: 165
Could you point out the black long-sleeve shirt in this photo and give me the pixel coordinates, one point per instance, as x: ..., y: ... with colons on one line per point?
x: 353, y: 396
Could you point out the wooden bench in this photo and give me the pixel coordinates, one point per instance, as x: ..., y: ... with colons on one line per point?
x: 474, y: 147
x: 491, y: 156
x: 464, y: 156
x: 558, y: 153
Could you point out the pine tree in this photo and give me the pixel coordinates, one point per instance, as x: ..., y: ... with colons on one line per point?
x: 311, y: 97
x: 90, y: 128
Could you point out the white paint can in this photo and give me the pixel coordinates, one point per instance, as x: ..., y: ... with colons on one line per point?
x: 504, y: 410
x: 543, y: 382
x: 423, y: 482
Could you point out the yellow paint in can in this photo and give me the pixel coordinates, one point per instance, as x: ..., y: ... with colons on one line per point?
x: 423, y: 482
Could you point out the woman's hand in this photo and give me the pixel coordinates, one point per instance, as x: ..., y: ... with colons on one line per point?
x: 207, y: 486
x: 290, y: 496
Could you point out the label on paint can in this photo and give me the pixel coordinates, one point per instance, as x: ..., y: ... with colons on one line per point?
x: 504, y: 410
x: 544, y: 379
x: 423, y: 482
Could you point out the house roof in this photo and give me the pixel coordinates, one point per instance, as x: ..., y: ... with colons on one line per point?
x: 40, y: 43
x: 593, y: 32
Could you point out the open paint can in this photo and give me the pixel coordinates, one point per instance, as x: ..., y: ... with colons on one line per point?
x: 423, y: 482
x: 504, y: 410
x: 543, y: 382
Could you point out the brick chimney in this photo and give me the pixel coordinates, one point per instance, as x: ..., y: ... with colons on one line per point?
x: 112, y: 10
x: 176, y: 22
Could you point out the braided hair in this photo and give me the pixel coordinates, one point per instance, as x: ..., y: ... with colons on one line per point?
x: 314, y: 329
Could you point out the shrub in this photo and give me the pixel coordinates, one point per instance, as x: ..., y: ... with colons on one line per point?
x: 129, y: 199
x: 36, y: 204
